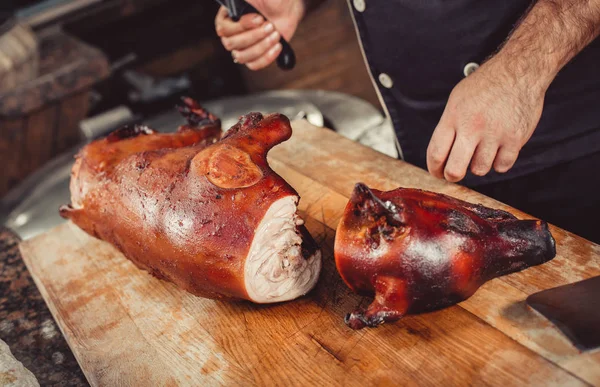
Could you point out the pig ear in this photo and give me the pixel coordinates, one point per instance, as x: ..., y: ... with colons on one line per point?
x: 366, y: 201
x: 365, y: 198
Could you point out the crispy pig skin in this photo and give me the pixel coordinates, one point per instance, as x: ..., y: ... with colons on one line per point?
x: 184, y: 206
x: 417, y: 251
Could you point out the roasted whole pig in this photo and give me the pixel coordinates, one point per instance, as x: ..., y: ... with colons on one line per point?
x: 204, y: 212
x: 417, y: 251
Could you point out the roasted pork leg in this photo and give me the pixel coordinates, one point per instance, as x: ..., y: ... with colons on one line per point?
x: 204, y: 212
x: 417, y: 251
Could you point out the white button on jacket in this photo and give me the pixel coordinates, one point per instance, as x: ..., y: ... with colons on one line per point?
x: 386, y: 81
x: 470, y: 68
x: 359, y: 5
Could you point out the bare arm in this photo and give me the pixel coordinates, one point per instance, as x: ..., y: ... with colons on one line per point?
x: 492, y: 113
x: 549, y: 36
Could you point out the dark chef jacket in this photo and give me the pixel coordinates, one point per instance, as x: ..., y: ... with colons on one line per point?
x: 418, y: 50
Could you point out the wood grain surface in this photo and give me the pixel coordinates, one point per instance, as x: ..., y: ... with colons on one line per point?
x: 128, y: 328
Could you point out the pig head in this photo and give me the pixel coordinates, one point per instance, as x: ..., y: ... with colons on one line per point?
x: 417, y: 251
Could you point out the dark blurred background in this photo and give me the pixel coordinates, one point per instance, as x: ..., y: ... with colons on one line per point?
x: 73, y: 59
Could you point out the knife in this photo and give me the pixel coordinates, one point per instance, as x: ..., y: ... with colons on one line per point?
x: 238, y: 8
x: 574, y: 309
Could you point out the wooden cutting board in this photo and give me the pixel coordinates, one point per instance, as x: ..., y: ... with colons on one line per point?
x: 128, y: 328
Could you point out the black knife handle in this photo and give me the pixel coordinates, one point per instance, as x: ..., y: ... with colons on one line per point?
x: 238, y: 8
x: 287, y: 58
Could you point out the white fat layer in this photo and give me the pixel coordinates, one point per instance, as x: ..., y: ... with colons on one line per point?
x: 74, y: 186
x: 275, y: 269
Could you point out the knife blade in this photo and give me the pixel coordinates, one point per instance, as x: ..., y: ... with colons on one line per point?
x: 574, y: 309
x: 238, y: 8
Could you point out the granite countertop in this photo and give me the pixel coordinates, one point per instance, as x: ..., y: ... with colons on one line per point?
x: 26, y: 324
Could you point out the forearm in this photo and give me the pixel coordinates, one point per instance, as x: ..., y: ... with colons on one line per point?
x: 547, y: 38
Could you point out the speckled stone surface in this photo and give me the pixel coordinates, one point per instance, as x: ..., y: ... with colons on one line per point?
x: 26, y: 324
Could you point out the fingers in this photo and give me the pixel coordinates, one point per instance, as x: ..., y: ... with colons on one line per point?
x: 484, y: 156
x: 439, y: 148
x: 258, y: 50
x: 225, y: 27
x: 249, y: 38
x: 505, y: 158
x: 266, y: 59
x: 460, y: 157
x: 466, y: 150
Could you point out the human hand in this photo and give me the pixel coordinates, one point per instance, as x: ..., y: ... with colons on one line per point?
x: 488, y: 118
x: 254, y: 41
